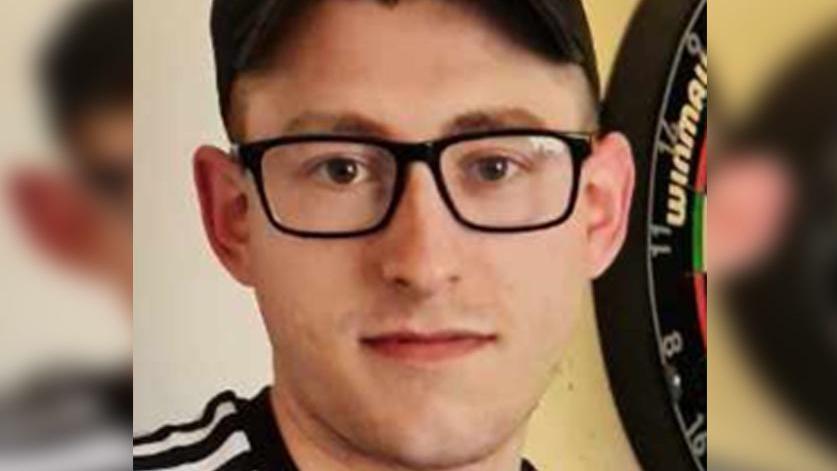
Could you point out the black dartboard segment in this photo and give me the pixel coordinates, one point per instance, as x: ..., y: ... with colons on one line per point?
x: 651, y: 304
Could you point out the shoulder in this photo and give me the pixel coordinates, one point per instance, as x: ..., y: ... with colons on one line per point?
x: 216, y: 440
x: 67, y: 417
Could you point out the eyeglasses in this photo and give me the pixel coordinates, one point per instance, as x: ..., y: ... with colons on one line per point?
x: 329, y: 186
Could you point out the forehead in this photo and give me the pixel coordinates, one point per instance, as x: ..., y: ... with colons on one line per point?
x: 412, y: 67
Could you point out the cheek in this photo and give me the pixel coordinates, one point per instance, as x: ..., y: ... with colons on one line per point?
x: 543, y: 283
x: 304, y: 288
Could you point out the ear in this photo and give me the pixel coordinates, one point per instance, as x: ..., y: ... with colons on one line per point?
x: 59, y: 216
x: 752, y: 195
x: 607, y: 185
x: 221, y: 187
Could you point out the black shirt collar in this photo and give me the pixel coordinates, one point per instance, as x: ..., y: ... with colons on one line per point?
x: 268, y: 446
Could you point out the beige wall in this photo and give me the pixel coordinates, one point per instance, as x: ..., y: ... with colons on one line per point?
x: 195, y: 330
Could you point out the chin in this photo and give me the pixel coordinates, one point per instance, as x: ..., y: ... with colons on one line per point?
x: 439, y: 451
x: 438, y: 440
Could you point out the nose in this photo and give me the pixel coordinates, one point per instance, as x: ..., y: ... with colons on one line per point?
x: 420, y: 251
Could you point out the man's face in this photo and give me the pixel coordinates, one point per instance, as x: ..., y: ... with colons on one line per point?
x: 425, y: 343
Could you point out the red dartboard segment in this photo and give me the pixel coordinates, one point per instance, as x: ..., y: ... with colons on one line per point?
x: 700, y: 291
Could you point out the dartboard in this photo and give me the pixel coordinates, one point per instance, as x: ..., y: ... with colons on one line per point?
x: 651, y: 304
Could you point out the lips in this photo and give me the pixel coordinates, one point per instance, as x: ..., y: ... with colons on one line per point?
x: 427, y: 347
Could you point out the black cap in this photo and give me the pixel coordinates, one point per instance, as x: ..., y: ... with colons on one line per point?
x: 240, y: 26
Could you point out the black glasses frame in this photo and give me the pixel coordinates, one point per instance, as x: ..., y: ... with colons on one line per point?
x: 405, y: 153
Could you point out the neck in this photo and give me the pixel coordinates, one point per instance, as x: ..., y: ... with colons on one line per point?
x: 314, y: 446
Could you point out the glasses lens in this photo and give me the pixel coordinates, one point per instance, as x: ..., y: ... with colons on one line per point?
x: 506, y: 182
x: 328, y: 187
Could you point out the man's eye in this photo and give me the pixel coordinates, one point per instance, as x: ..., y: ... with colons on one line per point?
x: 342, y: 171
x: 493, y: 169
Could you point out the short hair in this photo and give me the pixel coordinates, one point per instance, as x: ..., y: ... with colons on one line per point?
x: 88, y: 61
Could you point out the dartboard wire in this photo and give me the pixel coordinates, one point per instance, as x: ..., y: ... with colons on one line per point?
x: 693, y: 190
x: 697, y: 12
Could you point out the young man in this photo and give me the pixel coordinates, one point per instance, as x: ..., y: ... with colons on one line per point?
x: 419, y: 196
x: 80, y: 218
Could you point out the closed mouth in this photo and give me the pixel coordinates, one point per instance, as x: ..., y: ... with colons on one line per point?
x: 427, y: 347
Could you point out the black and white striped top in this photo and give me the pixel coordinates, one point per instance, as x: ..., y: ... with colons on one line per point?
x: 233, y: 434
x: 68, y: 419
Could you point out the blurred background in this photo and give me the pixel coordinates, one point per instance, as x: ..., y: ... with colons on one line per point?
x: 772, y: 348
x: 47, y: 312
x: 66, y: 244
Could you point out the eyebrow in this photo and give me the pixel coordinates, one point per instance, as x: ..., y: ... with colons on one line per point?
x: 352, y: 123
x: 338, y: 123
x: 493, y: 120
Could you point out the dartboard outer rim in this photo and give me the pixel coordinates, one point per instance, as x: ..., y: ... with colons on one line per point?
x: 629, y: 342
